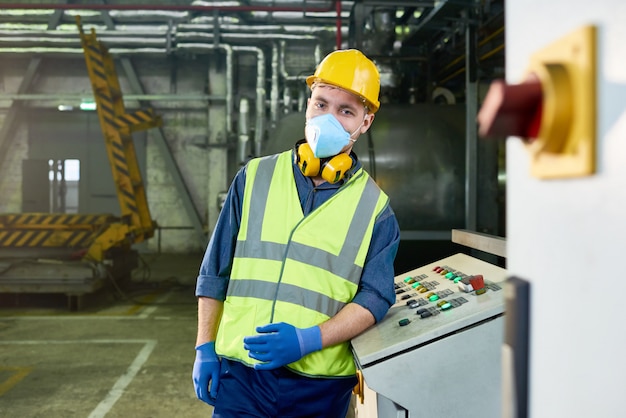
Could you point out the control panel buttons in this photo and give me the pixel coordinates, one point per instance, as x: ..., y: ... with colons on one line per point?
x: 433, y: 297
x: 430, y: 297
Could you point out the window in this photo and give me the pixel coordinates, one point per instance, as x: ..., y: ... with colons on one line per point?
x: 64, y: 176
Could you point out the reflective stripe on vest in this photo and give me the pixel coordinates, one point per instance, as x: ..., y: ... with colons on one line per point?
x: 283, y: 271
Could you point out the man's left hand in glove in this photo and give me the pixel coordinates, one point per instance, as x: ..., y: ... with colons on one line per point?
x: 280, y: 344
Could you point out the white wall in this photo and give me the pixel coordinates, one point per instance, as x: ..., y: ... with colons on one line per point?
x: 567, y: 236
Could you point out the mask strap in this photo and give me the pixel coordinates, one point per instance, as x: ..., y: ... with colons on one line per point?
x: 357, y: 129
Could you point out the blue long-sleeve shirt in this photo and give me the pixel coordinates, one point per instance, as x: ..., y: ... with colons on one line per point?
x: 376, y: 290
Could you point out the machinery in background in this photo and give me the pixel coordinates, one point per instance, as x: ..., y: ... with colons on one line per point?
x: 438, y: 350
x: 76, y: 253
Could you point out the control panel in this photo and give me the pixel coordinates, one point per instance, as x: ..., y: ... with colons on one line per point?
x: 446, y: 328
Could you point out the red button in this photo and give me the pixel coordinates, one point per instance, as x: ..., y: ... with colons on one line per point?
x: 511, y: 109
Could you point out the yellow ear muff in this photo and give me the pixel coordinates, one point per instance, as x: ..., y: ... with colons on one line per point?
x: 309, y: 164
x: 334, y: 169
x: 331, y: 169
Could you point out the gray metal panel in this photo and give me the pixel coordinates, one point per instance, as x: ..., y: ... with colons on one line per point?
x: 387, y: 338
x: 455, y: 377
x: 448, y: 364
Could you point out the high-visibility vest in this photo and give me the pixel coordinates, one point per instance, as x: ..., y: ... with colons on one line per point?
x: 294, y: 268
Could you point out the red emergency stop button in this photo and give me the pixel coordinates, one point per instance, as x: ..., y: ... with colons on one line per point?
x: 511, y: 109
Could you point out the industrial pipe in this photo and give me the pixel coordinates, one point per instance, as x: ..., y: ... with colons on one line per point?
x: 338, y: 36
x: 179, y: 8
x: 243, y: 130
x: 260, y: 96
x: 334, y: 5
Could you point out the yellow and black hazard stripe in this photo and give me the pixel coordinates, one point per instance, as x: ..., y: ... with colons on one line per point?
x: 117, y: 125
x: 38, y: 238
x: 51, y: 230
x: 139, y: 119
x: 16, y: 220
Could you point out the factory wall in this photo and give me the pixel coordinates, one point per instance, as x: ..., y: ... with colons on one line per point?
x: 186, y: 127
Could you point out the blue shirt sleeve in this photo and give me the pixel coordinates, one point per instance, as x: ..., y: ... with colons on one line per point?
x: 376, y: 290
x: 218, y: 258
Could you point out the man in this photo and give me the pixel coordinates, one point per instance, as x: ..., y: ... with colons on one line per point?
x: 299, y: 263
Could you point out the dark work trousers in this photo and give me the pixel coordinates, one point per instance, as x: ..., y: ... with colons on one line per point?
x: 244, y: 393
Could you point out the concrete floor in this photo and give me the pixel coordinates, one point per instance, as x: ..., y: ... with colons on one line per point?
x: 125, y: 354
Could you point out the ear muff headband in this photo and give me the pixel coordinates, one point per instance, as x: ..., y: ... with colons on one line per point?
x: 330, y: 169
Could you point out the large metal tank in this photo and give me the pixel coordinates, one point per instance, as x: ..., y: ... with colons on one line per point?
x: 416, y: 153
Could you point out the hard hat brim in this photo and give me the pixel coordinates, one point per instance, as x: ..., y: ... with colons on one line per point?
x: 373, y: 107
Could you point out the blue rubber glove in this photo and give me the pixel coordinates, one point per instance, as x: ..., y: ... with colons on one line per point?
x: 280, y: 344
x: 206, y: 370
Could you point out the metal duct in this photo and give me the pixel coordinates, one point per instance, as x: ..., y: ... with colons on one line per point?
x: 227, y: 27
x: 221, y: 19
x: 70, y: 42
x: 154, y: 38
x: 198, y: 6
x: 243, y: 130
x: 59, y: 52
x: 234, y: 37
x: 259, y: 129
x: 274, y: 88
x: 291, y: 29
x: 149, y: 16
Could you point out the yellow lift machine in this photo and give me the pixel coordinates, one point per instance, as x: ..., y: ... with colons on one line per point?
x: 77, y: 253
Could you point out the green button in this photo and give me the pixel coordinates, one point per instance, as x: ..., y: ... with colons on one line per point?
x: 433, y: 298
x: 457, y: 279
x: 416, y: 284
x: 408, y: 279
x: 449, y: 275
x: 446, y: 306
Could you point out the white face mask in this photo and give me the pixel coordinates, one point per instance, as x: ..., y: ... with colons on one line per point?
x: 326, y: 136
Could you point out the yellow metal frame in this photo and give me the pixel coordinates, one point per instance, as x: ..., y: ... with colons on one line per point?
x: 566, y: 143
x: 117, y: 126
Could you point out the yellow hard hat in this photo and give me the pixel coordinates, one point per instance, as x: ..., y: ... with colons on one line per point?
x: 352, y: 71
